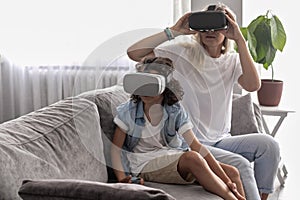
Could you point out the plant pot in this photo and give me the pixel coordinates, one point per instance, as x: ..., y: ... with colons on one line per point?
x: 270, y: 92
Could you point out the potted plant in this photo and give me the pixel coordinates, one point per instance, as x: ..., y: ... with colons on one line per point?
x: 265, y: 35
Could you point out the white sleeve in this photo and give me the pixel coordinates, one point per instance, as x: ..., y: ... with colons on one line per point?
x: 171, y: 51
x: 120, y: 124
x: 185, y: 128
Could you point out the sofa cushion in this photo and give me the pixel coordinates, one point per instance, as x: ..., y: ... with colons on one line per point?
x: 107, y: 100
x: 62, y: 140
x: 88, y: 190
x: 246, y: 115
x: 185, y: 192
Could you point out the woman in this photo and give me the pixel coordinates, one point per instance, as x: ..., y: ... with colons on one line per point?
x: 149, y: 130
x: 208, y: 70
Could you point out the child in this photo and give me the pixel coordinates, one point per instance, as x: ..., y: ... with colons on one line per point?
x: 150, y: 130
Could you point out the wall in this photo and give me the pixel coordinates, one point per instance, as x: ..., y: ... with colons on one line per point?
x: 53, y: 32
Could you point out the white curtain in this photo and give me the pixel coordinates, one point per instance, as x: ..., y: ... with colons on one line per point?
x: 27, y: 88
x: 180, y: 7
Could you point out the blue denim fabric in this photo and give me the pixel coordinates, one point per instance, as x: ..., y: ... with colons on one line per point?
x: 257, y: 148
x: 132, y: 114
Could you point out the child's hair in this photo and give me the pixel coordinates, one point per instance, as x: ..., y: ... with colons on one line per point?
x: 163, y: 66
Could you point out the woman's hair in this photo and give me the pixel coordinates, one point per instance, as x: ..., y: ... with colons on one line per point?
x: 227, y: 44
x: 163, y: 66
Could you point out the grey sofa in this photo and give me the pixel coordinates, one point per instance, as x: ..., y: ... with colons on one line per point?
x: 62, y: 152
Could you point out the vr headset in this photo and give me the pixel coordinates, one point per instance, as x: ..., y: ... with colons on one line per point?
x: 210, y: 20
x: 145, y: 84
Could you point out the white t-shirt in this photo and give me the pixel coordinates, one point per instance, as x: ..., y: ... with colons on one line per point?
x: 150, y: 146
x: 208, y: 85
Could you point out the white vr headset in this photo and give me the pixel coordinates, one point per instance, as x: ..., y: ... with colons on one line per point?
x: 145, y: 84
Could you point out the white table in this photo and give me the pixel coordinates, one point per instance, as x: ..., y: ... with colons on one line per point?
x: 281, y: 113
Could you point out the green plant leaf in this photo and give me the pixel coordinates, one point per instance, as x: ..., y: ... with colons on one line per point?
x: 252, y: 45
x: 269, y: 58
x: 278, y: 33
x: 254, y: 23
x: 263, y: 39
x: 251, y: 37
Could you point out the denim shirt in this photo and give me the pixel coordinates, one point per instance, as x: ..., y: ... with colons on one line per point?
x: 132, y: 115
x: 130, y: 118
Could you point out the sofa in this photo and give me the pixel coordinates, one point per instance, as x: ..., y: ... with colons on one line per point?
x: 62, y: 151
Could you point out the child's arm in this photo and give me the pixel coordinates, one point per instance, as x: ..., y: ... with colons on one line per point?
x: 116, y: 148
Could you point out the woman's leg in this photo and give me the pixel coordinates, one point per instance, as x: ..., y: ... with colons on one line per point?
x: 234, y: 175
x: 192, y: 162
x: 261, y: 149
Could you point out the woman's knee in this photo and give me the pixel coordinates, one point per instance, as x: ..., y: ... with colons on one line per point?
x: 269, y: 146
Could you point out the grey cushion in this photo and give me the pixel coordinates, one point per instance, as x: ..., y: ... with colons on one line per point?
x: 107, y: 100
x: 62, y: 140
x: 246, y: 116
x: 185, y: 192
x: 88, y: 190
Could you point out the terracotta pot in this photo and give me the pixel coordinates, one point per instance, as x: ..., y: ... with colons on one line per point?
x: 270, y: 92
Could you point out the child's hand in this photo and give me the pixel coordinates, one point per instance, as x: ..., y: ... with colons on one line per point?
x: 127, y: 179
x: 233, y: 188
x: 130, y: 179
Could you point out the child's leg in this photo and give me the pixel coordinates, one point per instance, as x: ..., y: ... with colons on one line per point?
x: 234, y: 176
x: 192, y: 162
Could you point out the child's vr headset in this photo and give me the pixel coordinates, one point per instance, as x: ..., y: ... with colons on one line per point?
x: 145, y: 84
x: 210, y: 20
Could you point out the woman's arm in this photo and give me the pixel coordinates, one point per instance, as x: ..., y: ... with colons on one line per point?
x: 146, y: 46
x: 249, y: 80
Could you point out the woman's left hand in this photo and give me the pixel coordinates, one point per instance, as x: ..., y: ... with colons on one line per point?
x: 233, y: 31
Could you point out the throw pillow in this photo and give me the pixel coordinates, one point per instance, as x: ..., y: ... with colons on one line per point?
x: 66, y: 189
x: 246, y: 116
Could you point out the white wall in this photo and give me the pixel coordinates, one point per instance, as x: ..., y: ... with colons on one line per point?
x: 285, y: 63
x: 41, y: 32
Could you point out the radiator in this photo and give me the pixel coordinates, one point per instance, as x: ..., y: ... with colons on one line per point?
x: 25, y: 89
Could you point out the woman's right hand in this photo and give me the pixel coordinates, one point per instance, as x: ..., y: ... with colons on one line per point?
x: 182, y: 26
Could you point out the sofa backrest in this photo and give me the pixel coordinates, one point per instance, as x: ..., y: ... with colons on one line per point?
x: 62, y: 140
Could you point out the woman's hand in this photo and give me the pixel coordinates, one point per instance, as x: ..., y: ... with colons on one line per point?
x: 233, y: 31
x: 233, y: 189
x: 182, y: 26
x: 129, y: 179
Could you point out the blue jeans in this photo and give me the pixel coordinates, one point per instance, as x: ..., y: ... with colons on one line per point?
x: 240, y: 151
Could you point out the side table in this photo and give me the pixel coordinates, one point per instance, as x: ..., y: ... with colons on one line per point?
x: 281, y: 113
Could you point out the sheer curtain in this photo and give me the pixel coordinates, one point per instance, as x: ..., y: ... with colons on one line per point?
x: 180, y: 7
x: 44, y: 57
x: 27, y: 88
